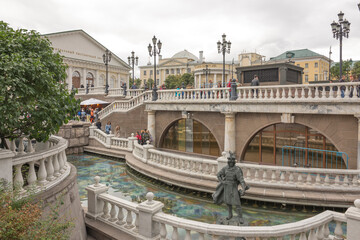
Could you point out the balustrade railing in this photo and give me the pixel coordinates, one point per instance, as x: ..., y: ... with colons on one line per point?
x: 120, y: 143
x: 134, y: 92
x: 116, y: 92
x: 92, y: 90
x: 147, y: 221
x: 202, y: 94
x: 40, y: 167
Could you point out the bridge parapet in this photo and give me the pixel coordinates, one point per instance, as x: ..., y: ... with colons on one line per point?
x: 147, y: 221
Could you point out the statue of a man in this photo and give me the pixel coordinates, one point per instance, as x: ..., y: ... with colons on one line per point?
x: 227, y: 191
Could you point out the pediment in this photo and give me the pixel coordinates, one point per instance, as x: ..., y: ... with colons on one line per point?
x: 171, y: 62
x: 80, y: 45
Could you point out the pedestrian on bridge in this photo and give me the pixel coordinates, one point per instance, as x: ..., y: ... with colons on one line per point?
x: 255, y: 82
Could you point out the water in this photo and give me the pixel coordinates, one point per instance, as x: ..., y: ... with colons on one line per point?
x: 128, y: 184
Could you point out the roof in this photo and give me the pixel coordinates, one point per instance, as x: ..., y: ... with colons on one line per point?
x: 301, y: 53
x: 185, y: 54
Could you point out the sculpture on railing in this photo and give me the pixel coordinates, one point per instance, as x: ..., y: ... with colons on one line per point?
x: 227, y: 191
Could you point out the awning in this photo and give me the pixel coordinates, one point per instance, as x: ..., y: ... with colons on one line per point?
x: 93, y: 101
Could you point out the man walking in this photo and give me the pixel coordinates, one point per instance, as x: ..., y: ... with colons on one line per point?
x: 255, y: 82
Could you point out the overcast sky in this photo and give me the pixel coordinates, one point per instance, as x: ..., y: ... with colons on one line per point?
x: 269, y: 27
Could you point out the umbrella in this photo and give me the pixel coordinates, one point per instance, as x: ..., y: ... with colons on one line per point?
x: 93, y: 101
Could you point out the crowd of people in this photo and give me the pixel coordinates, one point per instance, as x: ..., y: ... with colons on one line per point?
x: 143, y: 136
x: 88, y: 114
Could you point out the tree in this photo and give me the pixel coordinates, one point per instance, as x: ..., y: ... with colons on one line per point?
x: 34, y: 101
x: 187, y: 79
x: 174, y: 81
x: 346, y: 68
x: 356, y: 70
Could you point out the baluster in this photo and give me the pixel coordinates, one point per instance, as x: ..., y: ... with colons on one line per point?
x: 282, y: 177
x: 296, y: 94
x: 293, y: 237
x: 318, y: 179
x: 105, y: 210
x: 302, y: 93
x: 163, y: 232
x: 272, y: 93
x: 264, y: 176
x: 326, y: 231
x: 136, y: 229
x: 347, y: 92
x: 175, y: 234
x: 303, y: 236
x: 308, y: 179
x: 207, y: 168
x: 21, y: 146
x: 273, y: 176
x: 49, y: 169
x: 300, y: 178
x: 30, y: 148
x: 256, y: 174
x: 337, y: 180
x: 129, y: 219
x: 277, y: 90
x: 31, y: 178
x: 355, y: 181
x: 61, y: 162
x: 338, y: 93
x: 113, y: 217
x: 338, y: 230
x: 312, y: 235
x: 187, y: 235
x: 248, y: 174
x: 200, y: 170
x: 42, y: 173
x: 201, y: 236
x: 18, y: 179
x: 120, y: 216
x: 327, y: 180
x: 316, y: 92
x: 56, y: 165
x: 291, y: 178
x: 320, y: 232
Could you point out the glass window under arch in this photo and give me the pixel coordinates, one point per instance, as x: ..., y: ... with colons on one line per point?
x: 188, y: 135
x: 293, y: 144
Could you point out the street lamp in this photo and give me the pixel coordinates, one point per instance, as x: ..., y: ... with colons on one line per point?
x: 232, y: 69
x: 359, y: 6
x: 153, y: 51
x: 107, y: 59
x: 206, y: 72
x: 340, y: 29
x: 223, y: 47
x: 133, y: 61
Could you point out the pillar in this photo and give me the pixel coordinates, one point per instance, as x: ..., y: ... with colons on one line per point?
x: 353, y: 220
x: 94, y: 205
x: 96, y: 84
x: 69, y: 77
x: 229, y: 140
x: 215, y: 83
x: 151, y: 125
x: 358, y: 141
x: 83, y: 79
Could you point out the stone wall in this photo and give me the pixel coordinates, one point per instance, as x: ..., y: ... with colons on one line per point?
x: 77, y: 133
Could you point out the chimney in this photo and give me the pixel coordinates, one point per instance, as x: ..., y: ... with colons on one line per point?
x: 201, y: 57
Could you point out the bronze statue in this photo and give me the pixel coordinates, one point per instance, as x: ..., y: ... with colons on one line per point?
x: 227, y: 191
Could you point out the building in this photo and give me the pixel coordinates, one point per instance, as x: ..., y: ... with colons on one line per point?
x: 316, y: 66
x: 83, y: 56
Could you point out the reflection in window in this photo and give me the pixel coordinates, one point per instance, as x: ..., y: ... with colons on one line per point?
x: 188, y: 135
x: 306, y: 144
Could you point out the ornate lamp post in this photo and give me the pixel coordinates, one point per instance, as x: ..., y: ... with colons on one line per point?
x: 232, y: 69
x: 340, y: 29
x: 206, y: 72
x: 133, y: 61
x: 107, y: 59
x: 223, y: 47
x: 153, y: 51
x: 359, y: 6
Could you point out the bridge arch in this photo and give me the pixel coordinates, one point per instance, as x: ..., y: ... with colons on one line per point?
x: 189, y: 135
x: 264, y: 146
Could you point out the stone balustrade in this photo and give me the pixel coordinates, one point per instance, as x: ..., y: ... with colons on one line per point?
x: 134, y: 92
x: 116, y: 92
x: 151, y: 223
x: 46, y: 164
x: 201, y: 94
x: 92, y: 90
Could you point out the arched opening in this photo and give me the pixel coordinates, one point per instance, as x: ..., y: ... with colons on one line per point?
x: 188, y: 135
x: 76, y: 79
x: 102, y: 80
x: 293, y: 145
x: 112, y: 82
x: 90, y: 79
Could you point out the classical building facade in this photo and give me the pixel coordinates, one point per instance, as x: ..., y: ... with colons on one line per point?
x: 316, y: 66
x: 83, y: 56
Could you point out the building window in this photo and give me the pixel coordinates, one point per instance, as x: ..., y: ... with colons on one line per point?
x: 306, y: 78
x: 151, y: 73
x: 178, y: 71
x: 145, y: 73
x: 316, y: 78
x: 189, y: 70
x: 268, y: 146
x: 157, y: 72
x: 167, y: 71
x: 306, y: 65
x: 316, y: 64
x: 188, y: 135
x: 172, y: 71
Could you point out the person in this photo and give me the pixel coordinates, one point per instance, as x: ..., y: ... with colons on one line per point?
x: 133, y: 86
x: 255, y: 82
x: 142, y: 135
x: 79, y: 113
x: 98, y: 124
x: 108, y: 127
x: 145, y: 136
x: 117, y: 131
x: 82, y: 86
x: 342, y: 88
x: 227, y: 191
x: 150, y: 137
x: 83, y: 114
x: 92, y: 115
x: 138, y: 136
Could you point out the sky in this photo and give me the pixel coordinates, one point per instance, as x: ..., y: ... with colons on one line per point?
x: 267, y: 27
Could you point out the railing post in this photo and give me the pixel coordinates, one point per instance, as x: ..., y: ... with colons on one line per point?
x: 94, y: 205
x: 108, y: 139
x: 146, y: 155
x: 6, y: 157
x: 148, y: 228
x: 353, y: 220
x: 131, y: 140
x: 222, y: 161
x: 91, y: 129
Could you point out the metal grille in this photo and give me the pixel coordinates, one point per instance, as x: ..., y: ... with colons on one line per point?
x: 265, y: 75
x: 292, y: 76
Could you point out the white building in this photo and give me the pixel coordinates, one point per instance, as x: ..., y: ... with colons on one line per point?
x: 83, y: 55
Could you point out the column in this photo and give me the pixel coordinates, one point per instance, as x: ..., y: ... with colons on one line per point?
x: 118, y: 81
x: 229, y: 138
x: 358, y: 141
x: 151, y: 124
x: 96, y: 84
x: 215, y: 83
x: 69, y: 77
x: 199, y: 80
x: 163, y: 72
x: 83, y: 79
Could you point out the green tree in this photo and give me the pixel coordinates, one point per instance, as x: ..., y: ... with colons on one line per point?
x: 187, y: 79
x: 174, y: 81
x: 346, y: 69
x: 150, y: 83
x: 356, y: 70
x: 138, y: 83
x: 335, y: 71
x: 34, y: 100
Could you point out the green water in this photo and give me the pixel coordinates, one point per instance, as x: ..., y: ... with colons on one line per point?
x: 127, y: 184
